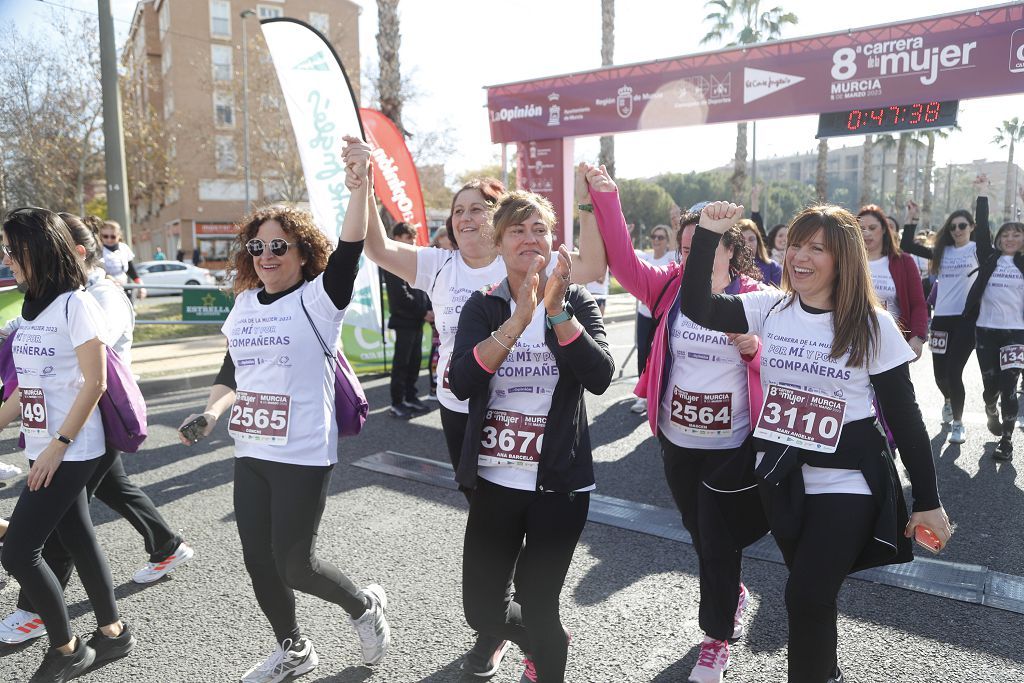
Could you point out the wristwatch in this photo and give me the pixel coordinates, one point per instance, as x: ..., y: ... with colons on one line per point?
x: 63, y: 439
x: 585, y: 207
x: 560, y: 318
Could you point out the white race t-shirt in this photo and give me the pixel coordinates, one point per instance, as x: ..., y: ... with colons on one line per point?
x: 118, y: 310
x: 599, y: 288
x: 284, y: 405
x: 1002, y: 303
x: 706, y: 404
x: 116, y: 262
x: 954, y: 280
x: 49, y: 375
x: 666, y: 259
x: 517, y: 410
x: 885, y: 287
x: 795, y: 353
x: 449, y: 281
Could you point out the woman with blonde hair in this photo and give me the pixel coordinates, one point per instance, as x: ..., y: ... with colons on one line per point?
x: 826, y: 476
x: 526, y: 350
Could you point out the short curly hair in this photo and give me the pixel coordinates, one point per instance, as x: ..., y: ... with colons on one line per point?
x: 311, y: 242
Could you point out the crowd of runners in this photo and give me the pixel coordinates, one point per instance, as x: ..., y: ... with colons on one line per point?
x: 774, y: 372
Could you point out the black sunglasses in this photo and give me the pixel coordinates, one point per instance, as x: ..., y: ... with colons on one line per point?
x: 278, y: 247
x: 959, y: 226
x: 659, y: 237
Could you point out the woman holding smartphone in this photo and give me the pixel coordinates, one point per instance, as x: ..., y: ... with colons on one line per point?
x: 826, y: 476
x: 60, y: 353
x: 291, y: 295
x: 954, y: 263
x: 525, y: 351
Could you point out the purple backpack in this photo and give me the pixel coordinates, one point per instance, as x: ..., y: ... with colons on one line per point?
x: 350, y: 405
x: 122, y: 407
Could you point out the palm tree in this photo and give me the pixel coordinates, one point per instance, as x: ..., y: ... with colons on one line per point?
x: 607, y: 153
x: 821, y: 174
x: 1007, y: 134
x: 899, y: 196
x: 929, y: 169
x: 867, y: 171
x: 886, y: 142
x: 755, y: 26
x: 389, y: 39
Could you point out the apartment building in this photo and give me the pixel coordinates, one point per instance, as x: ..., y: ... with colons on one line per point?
x: 183, y: 102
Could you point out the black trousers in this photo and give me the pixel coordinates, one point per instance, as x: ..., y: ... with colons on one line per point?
x: 454, y: 424
x: 111, y: 484
x: 998, y: 384
x: 718, y: 557
x: 405, y: 365
x: 499, y: 520
x: 59, y: 508
x: 836, y: 527
x: 278, y: 508
x: 643, y: 335
x: 949, y: 366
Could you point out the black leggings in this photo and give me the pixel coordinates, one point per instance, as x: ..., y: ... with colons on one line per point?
x: 278, y: 508
x: 62, y: 508
x: 999, y: 384
x: 718, y: 557
x: 454, y: 425
x: 643, y: 336
x: 111, y: 484
x: 836, y: 527
x: 949, y: 366
x: 499, y: 519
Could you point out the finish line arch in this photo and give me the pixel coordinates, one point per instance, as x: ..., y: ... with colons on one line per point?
x: 979, y: 53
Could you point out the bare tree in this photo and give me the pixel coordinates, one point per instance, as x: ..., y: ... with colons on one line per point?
x: 607, y: 154
x: 867, y: 172
x: 900, y: 195
x: 51, y: 115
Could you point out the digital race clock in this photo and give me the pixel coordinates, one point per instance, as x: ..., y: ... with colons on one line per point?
x: 902, y: 117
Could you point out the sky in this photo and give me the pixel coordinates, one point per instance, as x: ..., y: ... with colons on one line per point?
x: 451, y: 49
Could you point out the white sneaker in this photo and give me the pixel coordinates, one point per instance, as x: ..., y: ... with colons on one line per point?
x: 8, y: 471
x: 285, y: 662
x: 157, y: 570
x: 957, y: 432
x: 737, y: 621
x: 21, y: 626
x: 639, y: 407
x: 372, y: 628
x: 947, y: 413
x: 712, y: 661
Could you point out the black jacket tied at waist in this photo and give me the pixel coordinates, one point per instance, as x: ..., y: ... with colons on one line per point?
x: 863, y: 447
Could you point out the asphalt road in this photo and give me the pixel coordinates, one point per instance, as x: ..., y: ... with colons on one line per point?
x: 629, y: 600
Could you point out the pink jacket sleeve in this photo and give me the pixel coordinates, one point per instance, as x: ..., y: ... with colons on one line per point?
x: 639, y: 277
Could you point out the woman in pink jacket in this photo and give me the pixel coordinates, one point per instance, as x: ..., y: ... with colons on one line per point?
x: 703, y: 391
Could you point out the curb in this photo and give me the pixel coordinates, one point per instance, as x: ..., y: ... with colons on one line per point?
x: 164, y: 385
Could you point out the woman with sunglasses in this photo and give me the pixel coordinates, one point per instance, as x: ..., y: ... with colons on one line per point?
x: 109, y: 483
x: 526, y: 350
x: 954, y: 263
x: 449, y: 278
x: 59, y: 351
x: 661, y: 256
x: 700, y: 386
x: 822, y: 465
x: 895, y: 276
x: 118, y: 257
x: 996, y: 304
x: 291, y: 295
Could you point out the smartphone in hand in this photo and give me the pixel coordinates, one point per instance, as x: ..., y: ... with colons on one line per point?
x: 927, y: 539
x: 193, y: 429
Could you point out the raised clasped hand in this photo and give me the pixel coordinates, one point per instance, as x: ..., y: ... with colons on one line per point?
x: 599, y: 179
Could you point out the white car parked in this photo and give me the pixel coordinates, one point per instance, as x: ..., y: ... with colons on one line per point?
x: 172, y: 273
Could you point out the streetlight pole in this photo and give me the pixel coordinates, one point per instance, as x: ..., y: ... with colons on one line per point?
x: 244, y: 14
x: 113, y: 131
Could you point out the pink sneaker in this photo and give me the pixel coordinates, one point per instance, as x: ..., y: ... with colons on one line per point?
x: 737, y: 621
x: 712, y: 661
x: 530, y: 675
